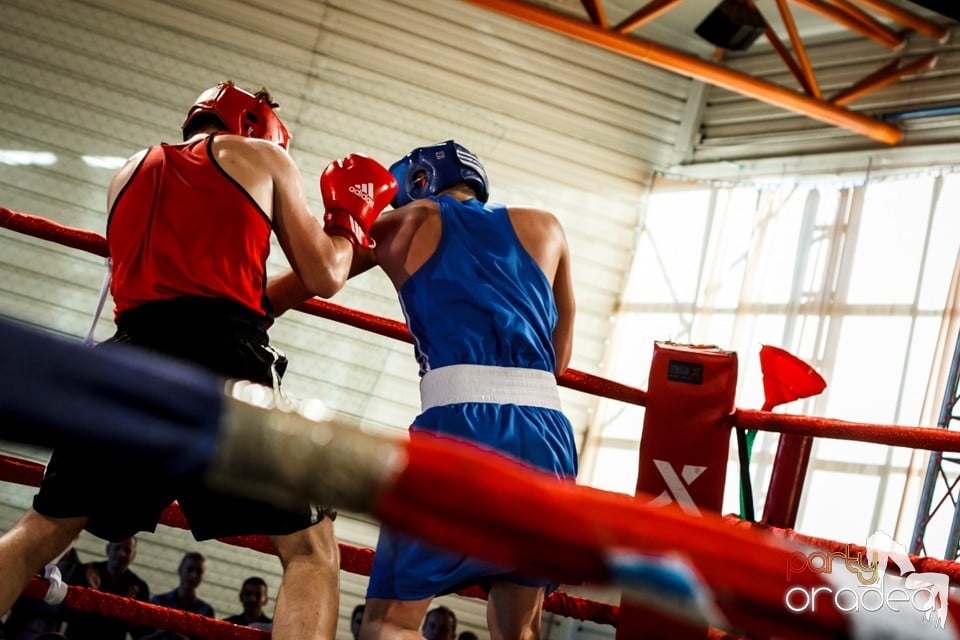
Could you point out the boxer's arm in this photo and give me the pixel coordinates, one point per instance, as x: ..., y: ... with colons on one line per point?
x: 566, y: 305
x: 542, y: 235
x: 364, y: 259
x: 321, y: 261
x: 286, y: 291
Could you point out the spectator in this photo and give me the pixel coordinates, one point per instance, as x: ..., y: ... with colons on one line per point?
x: 110, y: 576
x: 356, y: 619
x: 467, y: 635
x: 253, y: 598
x: 440, y: 623
x: 184, y: 597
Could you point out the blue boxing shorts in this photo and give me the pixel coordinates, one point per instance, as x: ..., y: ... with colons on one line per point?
x: 404, y: 568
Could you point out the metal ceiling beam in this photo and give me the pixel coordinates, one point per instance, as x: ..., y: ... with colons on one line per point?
x: 884, y: 77
x: 645, y: 14
x: 696, y: 68
x: 594, y: 9
x: 807, y: 79
x: 906, y: 18
x: 803, y: 76
x: 852, y: 18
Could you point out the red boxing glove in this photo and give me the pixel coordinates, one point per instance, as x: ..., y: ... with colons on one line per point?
x: 355, y: 190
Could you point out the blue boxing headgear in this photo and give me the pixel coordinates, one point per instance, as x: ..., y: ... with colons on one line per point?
x: 426, y: 171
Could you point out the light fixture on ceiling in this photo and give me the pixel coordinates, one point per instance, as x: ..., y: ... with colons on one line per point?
x: 921, y: 112
x: 104, y: 162
x: 24, y: 158
x: 733, y: 24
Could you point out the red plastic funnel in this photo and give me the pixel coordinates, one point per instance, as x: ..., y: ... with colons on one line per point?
x: 786, y: 377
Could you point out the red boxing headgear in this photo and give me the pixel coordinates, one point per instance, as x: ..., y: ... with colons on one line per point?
x: 241, y: 113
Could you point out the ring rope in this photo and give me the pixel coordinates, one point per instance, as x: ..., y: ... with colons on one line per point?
x: 44, y: 229
x: 357, y: 560
x: 949, y: 568
x: 146, y: 614
x: 914, y: 437
x: 571, y: 378
x: 95, y: 243
x: 889, y: 434
x: 143, y: 613
x: 761, y: 558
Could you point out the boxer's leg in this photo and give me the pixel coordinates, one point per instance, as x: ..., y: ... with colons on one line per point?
x: 31, y: 543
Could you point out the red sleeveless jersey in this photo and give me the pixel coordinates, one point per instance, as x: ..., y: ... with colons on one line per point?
x: 182, y: 227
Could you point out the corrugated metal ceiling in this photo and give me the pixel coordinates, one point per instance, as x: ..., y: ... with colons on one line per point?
x: 828, y: 76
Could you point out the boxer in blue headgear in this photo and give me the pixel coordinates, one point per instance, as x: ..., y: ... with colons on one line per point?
x: 487, y: 294
x: 426, y: 171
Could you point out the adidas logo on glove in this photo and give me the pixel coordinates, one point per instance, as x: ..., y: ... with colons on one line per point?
x: 363, y: 191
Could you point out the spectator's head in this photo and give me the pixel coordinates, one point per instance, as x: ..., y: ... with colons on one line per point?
x: 120, y: 555
x: 356, y: 619
x: 191, y: 570
x: 467, y: 635
x: 253, y: 596
x: 440, y: 624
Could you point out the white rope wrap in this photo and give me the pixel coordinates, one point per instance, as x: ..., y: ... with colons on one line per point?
x: 57, y: 590
x: 665, y: 582
x: 497, y: 385
x: 285, y: 452
x: 101, y: 300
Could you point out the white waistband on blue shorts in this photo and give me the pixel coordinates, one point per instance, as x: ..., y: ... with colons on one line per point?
x: 498, y: 385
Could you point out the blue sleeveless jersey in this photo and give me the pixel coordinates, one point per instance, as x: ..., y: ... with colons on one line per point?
x: 480, y: 299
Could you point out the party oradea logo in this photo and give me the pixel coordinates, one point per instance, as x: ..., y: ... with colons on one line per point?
x: 875, y: 589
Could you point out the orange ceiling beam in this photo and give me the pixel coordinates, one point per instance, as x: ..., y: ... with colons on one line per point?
x: 806, y: 82
x: 843, y: 13
x: 807, y: 79
x: 595, y: 11
x: 645, y: 14
x: 906, y: 18
x: 858, y: 14
x: 696, y: 68
x: 882, y: 78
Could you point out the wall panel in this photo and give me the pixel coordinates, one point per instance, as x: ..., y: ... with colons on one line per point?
x: 559, y: 124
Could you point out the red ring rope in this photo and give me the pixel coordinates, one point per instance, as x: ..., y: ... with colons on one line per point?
x: 915, y: 437
x: 949, y: 568
x: 97, y: 244
x: 893, y: 435
x: 46, y: 230
x: 146, y: 614
x: 358, y: 560
x: 889, y: 434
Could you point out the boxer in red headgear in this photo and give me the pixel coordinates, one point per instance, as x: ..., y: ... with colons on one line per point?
x: 189, y: 233
x: 239, y: 112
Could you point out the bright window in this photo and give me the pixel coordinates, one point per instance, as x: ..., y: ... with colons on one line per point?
x: 853, y: 279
